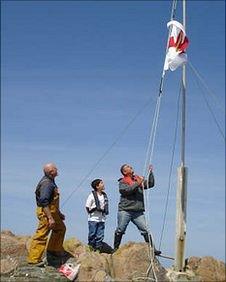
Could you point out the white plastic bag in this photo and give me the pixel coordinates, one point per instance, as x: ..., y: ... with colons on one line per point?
x: 69, y: 270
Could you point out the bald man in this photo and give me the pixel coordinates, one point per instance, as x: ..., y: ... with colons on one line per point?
x: 50, y: 219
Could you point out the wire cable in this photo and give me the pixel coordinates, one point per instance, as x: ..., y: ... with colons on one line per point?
x: 209, y: 91
x: 106, y: 152
x: 211, y: 111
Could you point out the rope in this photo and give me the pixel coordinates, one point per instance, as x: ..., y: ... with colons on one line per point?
x: 148, y: 159
x: 126, y: 127
x: 118, y: 137
x: 150, y: 150
x: 172, y: 17
x: 151, y: 265
x: 171, y: 168
x: 173, y: 11
x: 151, y: 143
x: 210, y: 110
x: 149, y: 153
x: 144, y: 278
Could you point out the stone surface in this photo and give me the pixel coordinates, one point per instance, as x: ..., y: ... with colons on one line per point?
x: 207, y: 268
x: 35, y: 274
x: 131, y: 262
x: 93, y: 263
x: 13, y: 251
x: 12, y: 245
x: 182, y: 276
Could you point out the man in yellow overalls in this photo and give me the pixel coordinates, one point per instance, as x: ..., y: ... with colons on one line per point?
x: 50, y: 219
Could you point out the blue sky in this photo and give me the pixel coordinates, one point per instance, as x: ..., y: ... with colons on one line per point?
x: 74, y: 74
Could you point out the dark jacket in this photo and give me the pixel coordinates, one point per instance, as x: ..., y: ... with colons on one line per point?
x: 45, y: 191
x: 132, y: 198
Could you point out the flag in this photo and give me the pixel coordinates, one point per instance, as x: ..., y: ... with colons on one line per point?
x: 178, y: 42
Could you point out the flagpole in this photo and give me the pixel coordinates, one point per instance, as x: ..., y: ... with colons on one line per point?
x: 181, y: 199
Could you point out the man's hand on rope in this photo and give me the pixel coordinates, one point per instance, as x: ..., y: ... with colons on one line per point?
x: 140, y: 180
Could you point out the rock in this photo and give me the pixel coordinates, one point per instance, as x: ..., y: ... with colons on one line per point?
x: 74, y: 247
x: 101, y: 276
x: 12, y: 245
x: 8, y: 265
x: 182, y: 276
x: 207, y: 268
x: 7, y: 233
x: 131, y: 262
x: 13, y: 251
x: 31, y: 273
x: 93, y: 266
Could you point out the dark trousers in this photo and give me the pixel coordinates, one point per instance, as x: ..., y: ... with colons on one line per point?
x: 96, y: 234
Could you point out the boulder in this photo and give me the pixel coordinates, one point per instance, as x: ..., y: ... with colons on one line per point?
x: 207, y: 268
x: 94, y: 267
x: 131, y: 262
x: 13, y: 251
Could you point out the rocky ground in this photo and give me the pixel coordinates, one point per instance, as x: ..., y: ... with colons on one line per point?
x: 130, y: 263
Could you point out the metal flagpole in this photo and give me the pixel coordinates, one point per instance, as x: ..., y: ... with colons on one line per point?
x: 181, y: 199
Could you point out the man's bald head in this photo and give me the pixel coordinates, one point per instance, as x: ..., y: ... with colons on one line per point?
x: 50, y: 170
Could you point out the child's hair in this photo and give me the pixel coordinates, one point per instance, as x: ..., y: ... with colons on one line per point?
x: 95, y: 183
x: 122, y: 168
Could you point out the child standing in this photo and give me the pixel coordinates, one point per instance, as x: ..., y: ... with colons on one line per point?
x: 97, y: 208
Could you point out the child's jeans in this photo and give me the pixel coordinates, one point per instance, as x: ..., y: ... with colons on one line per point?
x: 96, y: 234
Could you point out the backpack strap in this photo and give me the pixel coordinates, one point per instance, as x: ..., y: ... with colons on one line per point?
x: 97, y: 203
x: 106, y: 208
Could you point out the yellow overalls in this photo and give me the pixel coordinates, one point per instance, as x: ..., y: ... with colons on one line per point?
x: 39, y: 240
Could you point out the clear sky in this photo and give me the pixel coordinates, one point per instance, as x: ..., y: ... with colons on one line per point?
x: 74, y: 74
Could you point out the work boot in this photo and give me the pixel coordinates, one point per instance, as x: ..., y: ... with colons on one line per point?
x: 105, y: 248
x: 54, y: 259
x: 157, y: 252
x: 117, y: 240
x: 148, y: 239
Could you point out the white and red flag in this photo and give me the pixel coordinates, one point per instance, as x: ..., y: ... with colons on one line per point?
x: 178, y: 42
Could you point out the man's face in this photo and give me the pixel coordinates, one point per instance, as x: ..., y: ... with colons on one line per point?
x: 128, y: 170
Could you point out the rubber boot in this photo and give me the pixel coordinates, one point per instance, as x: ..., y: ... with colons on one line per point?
x: 117, y: 240
x: 148, y: 239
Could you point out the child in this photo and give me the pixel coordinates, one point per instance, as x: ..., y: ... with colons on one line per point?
x: 97, y: 208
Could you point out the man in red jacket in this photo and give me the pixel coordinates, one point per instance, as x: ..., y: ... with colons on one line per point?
x: 131, y: 205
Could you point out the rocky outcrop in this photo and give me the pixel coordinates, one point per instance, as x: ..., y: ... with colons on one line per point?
x: 131, y: 262
x: 207, y: 268
x: 13, y: 251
